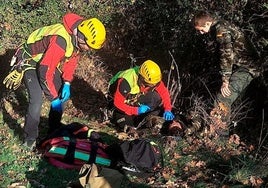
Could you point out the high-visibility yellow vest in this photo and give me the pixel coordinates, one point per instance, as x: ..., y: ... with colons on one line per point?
x: 56, y: 29
x: 131, y: 76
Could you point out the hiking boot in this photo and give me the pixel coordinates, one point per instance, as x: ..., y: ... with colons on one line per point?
x: 196, y: 121
x: 30, y: 144
x: 222, y: 112
x: 220, y: 117
x: 219, y: 127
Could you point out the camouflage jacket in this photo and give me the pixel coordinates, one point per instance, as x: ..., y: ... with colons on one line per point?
x: 234, y: 47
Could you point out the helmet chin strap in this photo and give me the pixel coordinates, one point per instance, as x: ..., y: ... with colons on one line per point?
x: 76, y: 38
x: 79, y: 39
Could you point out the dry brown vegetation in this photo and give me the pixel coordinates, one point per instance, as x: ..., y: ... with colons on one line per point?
x: 161, y: 31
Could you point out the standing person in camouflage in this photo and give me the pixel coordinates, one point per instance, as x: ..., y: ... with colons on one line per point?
x: 237, y: 61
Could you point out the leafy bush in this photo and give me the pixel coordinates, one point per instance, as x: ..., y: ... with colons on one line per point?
x: 145, y: 29
x: 19, y: 18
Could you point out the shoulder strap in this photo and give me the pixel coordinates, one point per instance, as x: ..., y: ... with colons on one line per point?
x: 69, y: 156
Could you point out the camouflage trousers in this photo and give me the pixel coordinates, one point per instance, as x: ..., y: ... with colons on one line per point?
x: 238, y: 82
x: 220, y: 114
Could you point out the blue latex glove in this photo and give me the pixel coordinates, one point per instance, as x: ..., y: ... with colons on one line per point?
x: 168, y: 116
x: 143, y: 109
x: 56, y: 105
x: 65, y: 93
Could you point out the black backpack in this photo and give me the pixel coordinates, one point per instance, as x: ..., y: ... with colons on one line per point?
x: 136, y: 156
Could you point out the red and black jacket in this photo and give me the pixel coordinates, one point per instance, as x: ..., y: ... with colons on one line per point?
x: 53, y: 48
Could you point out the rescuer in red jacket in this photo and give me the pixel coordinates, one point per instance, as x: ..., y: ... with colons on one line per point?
x: 137, y: 92
x: 46, y: 63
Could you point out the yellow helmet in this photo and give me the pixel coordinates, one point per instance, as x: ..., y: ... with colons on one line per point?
x: 93, y: 31
x: 150, y: 72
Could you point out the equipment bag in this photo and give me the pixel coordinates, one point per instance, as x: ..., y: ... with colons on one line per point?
x: 64, y: 148
x: 95, y: 176
x: 138, y: 156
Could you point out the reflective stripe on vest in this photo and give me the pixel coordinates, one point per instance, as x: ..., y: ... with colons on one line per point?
x: 56, y: 29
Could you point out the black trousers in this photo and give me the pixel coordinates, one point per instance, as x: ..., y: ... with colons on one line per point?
x: 35, y: 91
x: 152, y: 99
